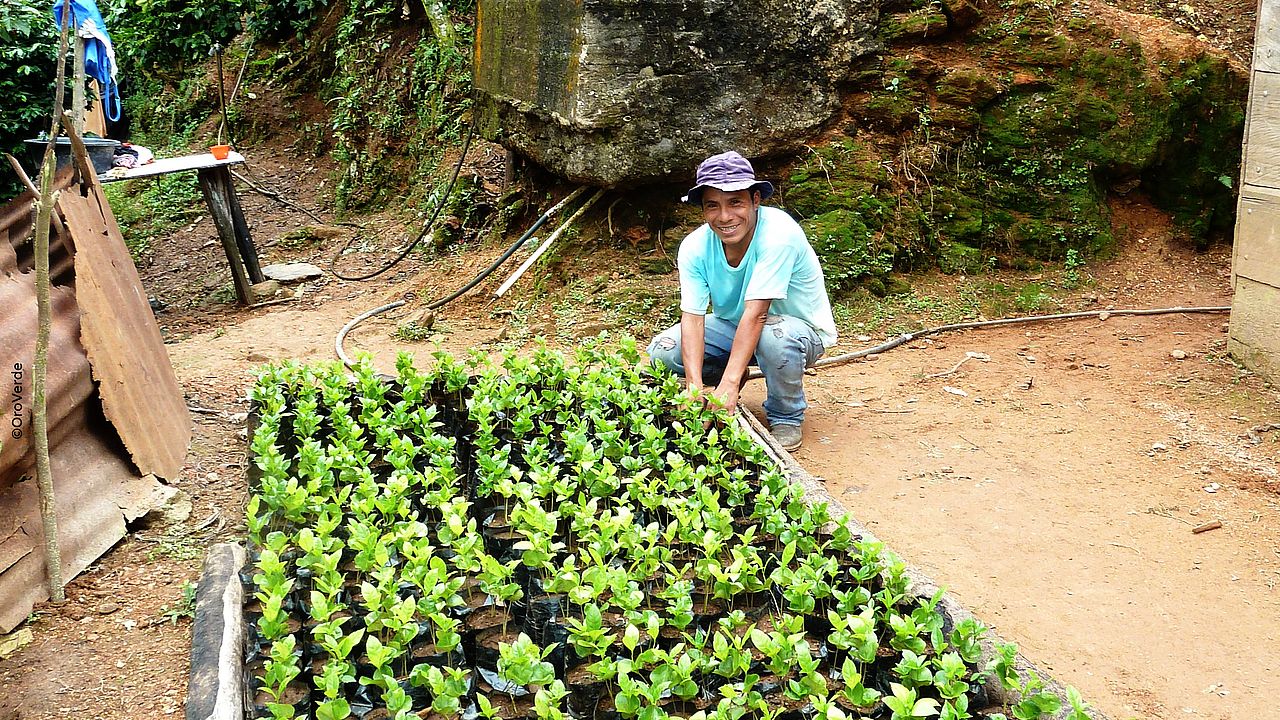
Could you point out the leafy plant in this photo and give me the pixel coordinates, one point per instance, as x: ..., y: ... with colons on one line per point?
x: 905, y: 705
x: 28, y: 46
x: 523, y: 663
x: 583, y: 502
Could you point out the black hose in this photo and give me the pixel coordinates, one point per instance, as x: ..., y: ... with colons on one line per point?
x: 426, y: 228
x: 437, y: 304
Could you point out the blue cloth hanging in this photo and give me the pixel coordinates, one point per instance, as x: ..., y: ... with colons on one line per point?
x: 99, y: 54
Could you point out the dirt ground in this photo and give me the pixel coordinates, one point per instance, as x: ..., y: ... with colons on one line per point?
x: 1053, y: 487
x: 1055, y: 496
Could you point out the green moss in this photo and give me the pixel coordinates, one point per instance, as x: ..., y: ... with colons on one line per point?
x: 1196, y: 171
x: 925, y: 23
x: 967, y: 87
x: 979, y: 165
x: 848, y: 249
x: 955, y: 258
x: 838, y: 175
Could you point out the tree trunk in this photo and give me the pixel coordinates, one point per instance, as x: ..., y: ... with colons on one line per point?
x: 441, y: 23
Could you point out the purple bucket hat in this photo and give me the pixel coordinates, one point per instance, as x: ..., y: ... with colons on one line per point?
x: 728, y: 172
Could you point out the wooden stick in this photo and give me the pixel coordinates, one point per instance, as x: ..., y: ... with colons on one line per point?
x: 44, y: 323
x: 215, y: 183
x: 546, y: 245
x: 22, y: 174
x: 77, y: 85
x: 79, y: 153
x: 278, y: 198
x: 1211, y: 525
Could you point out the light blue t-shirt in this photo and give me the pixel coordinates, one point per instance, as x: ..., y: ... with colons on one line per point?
x: 780, y: 265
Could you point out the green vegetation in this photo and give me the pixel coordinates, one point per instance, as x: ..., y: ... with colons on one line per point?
x: 185, y: 607
x: 398, y: 95
x: 956, y: 167
x: 28, y: 44
x: 975, y: 297
x: 150, y: 211
x: 566, y: 535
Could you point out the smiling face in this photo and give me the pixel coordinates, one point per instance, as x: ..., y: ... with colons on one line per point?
x: 732, y: 216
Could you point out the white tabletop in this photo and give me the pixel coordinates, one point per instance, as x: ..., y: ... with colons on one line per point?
x: 164, y: 166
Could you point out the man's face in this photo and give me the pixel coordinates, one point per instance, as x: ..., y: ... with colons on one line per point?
x: 732, y: 215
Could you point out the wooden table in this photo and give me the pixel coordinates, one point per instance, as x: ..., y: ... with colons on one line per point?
x: 220, y: 195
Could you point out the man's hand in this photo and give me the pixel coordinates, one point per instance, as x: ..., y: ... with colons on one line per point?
x: 727, y: 394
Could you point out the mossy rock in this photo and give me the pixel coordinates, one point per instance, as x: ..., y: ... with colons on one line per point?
x: 841, y: 175
x: 967, y: 87
x: 893, y: 111
x: 958, y: 216
x: 847, y: 249
x: 963, y: 13
x: 1197, y: 169
x: 955, y: 258
x: 928, y: 23
x: 955, y: 118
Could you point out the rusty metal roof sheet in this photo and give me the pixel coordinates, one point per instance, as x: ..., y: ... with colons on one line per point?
x: 140, y: 393
x: 97, y: 486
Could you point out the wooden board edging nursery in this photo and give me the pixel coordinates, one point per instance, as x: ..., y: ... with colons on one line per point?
x: 558, y: 539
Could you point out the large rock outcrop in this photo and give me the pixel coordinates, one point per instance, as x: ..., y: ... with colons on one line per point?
x: 618, y: 91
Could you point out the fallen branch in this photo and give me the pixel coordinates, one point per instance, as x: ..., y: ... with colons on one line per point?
x: 967, y: 357
x: 22, y: 175
x: 278, y: 198
x: 1127, y: 547
x: 1211, y: 525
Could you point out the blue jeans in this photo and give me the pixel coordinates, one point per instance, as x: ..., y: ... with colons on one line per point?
x: 787, y: 346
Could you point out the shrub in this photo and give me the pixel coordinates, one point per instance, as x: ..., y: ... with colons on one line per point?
x: 28, y: 44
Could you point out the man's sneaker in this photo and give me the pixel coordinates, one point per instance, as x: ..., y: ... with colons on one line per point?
x: 788, y: 436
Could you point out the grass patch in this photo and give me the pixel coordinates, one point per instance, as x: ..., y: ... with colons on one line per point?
x: 960, y: 300
x: 153, y: 210
x: 175, y: 547
x: 185, y: 607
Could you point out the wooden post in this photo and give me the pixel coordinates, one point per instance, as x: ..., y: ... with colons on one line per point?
x: 77, y: 85
x: 219, y: 194
x: 243, y: 238
x: 44, y: 323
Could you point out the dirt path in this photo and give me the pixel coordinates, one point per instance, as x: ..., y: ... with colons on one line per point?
x: 1056, y: 497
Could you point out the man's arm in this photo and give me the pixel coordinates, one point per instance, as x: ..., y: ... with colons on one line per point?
x: 744, y: 348
x: 693, y: 344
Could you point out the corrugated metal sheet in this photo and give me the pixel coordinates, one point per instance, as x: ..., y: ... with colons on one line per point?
x: 140, y: 393
x: 97, y: 487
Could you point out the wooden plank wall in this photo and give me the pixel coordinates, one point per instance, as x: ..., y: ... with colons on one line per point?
x: 1255, y: 310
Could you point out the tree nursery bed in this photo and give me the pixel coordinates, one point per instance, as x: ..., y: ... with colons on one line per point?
x: 559, y: 537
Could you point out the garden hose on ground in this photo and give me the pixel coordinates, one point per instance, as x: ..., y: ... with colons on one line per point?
x: 437, y: 304
x: 908, y: 337
x: 426, y: 227
x: 881, y: 348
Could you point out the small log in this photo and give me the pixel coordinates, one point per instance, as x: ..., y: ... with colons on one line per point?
x: 22, y: 175
x: 1212, y: 525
